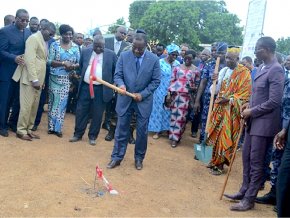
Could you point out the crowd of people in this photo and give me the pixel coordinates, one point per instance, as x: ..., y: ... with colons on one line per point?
x: 160, y: 89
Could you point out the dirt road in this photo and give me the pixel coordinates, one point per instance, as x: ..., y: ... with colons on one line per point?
x: 49, y: 177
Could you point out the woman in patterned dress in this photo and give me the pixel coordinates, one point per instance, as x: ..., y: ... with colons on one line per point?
x: 184, y: 82
x: 160, y: 117
x: 233, y: 89
x: 64, y: 57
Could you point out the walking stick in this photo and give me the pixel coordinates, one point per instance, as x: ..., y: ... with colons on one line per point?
x: 233, y: 158
x: 117, y: 89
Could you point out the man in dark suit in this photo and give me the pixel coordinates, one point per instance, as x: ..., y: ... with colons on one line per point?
x: 116, y: 44
x: 262, y: 115
x: 96, y: 61
x: 137, y: 71
x: 12, y: 45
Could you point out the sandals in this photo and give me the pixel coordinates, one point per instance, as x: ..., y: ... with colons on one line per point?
x: 216, y: 171
x: 210, y: 165
x: 156, y: 136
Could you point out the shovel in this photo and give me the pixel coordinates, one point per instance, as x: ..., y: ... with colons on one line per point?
x: 202, y: 151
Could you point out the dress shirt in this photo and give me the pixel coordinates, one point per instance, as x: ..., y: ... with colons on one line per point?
x: 99, y: 68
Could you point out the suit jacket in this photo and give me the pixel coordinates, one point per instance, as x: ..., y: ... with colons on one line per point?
x: 12, y: 44
x: 35, y: 61
x: 109, y: 65
x: 109, y: 44
x: 145, y: 82
x: 265, y: 102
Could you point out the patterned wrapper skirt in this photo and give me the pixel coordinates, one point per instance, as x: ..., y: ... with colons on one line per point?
x: 58, y: 95
x: 179, y: 110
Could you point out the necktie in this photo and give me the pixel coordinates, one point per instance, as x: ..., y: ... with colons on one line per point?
x: 93, y: 77
x: 117, y: 47
x: 137, y: 65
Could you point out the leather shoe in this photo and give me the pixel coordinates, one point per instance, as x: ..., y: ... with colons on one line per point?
x: 75, y: 139
x: 24, y: 137
x: 243, y: 205
x: 238, y: 196
x: 113, y: 164
x: 58, y: 134
x: 33, y: 136
x: 4, y: 133
x: 50, y: 132
x: 269, y: 198
x: 106, y: 126
x: 34, y: 128
x: 138, y: 164
x: 92, y: 142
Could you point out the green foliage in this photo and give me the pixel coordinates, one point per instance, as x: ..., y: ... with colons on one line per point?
x: 137, y: 10
x: 283, y: 45
x: 192, y: 22
x: 113, y: 28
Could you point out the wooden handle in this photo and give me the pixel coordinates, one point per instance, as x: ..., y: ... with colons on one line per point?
x: 216, y: 70
x: 117, y: 89
x: 233, y: 158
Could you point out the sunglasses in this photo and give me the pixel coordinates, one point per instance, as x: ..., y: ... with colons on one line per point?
x: 23, y: 20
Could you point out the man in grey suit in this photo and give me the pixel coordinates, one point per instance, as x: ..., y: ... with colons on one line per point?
x: 137, y: 71
x: 96, y: 61
x: 262, y: 116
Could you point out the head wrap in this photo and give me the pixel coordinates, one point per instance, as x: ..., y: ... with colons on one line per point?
x: 221, y: 47
x: 234, y: 49
x: 172, y: 48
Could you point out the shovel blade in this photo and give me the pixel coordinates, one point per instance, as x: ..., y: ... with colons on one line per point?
x: 203, y: 152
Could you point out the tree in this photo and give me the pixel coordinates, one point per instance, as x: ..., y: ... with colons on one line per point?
x: 166, y: 22
x: 120, y: 22
x: 192, y: 22
x: 283, y: 45
x: 136, y: 11
x: 221, y: 27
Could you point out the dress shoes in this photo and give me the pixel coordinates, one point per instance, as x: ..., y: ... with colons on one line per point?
x: 34, y: 128
x: 238, y: 196
x: 92, y: 142
x: 138, y: 165
x: 269, y: 198
x: 243, y: 205
x: 106, y: 126
x: 50, y: 132
x: 75, y: 139
x: 24, y: 137
x: 33, y: 136
x: 113, y: 164
x: 4, y: 133
x: 58, y: 134
x: 110, y: 136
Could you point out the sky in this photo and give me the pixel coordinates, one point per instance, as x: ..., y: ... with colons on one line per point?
x: 89, y: 14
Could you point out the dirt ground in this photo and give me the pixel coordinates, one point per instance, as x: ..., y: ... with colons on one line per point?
x: 53, y: 177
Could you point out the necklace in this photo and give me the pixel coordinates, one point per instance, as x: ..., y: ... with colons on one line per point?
x: 65, y: 46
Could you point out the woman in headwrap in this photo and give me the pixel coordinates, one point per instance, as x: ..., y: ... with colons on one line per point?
x: 160, y: 117
x: 184, y: 84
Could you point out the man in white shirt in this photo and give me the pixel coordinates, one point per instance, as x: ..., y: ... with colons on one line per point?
x: 99, y: 62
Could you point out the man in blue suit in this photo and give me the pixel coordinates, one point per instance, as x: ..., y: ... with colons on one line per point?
x: 137, y: 71
x: 12, y: 45
x: 93, y: 101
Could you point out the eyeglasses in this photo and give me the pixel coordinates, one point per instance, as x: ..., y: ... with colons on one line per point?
x: 23, y: 20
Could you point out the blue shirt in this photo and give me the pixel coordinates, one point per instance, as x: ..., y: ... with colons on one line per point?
x: 57, y: 53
